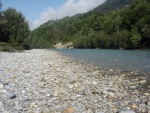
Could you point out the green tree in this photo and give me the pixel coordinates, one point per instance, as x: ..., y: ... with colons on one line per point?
x: 3, y: 26
x: 136, y: 38
x: 17, y: 27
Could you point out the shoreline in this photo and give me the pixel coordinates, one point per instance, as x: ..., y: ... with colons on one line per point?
x: 127, y: 61
x: 49, y: 82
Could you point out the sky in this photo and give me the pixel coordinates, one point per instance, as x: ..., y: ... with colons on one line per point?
x: 38, y: 12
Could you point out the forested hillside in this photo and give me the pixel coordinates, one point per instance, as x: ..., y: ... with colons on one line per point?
x: 128, y: 28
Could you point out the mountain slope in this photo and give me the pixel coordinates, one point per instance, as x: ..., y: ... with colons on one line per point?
x: 110, y: 5
x: 128, y: 28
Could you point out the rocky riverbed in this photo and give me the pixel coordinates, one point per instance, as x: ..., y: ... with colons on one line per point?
x: 43, y: 81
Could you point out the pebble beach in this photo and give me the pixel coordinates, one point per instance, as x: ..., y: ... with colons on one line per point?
x: 44, y: 81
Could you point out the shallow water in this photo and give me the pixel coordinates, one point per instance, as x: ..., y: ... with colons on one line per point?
x: 126, y: 60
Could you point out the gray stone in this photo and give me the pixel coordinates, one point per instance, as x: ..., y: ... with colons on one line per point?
x: 10, y: 95
x: 7, y: 86
x: 16, y: 103
x: 19, y: 107
x: 5, y: 112
x: 1, y: 85
x: 5, y: 83
x: 111, y: 90
x: 1, y: 105
x: 46, y: 110
x: 132, y: 87
x: 125, y: 111
x: 99, y: 112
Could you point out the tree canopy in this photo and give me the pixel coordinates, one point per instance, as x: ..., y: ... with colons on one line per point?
x: 14, y: 28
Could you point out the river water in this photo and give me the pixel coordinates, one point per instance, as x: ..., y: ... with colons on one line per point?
x: 126, y: 60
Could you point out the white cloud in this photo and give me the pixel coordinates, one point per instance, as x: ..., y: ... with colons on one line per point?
x: 70, y: 8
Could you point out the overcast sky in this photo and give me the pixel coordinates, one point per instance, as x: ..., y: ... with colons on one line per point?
x: 38, y: 12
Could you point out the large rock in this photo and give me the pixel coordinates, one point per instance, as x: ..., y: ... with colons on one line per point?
x: 64, y: 45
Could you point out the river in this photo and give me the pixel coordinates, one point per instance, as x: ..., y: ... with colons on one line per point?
x: 126, y: 60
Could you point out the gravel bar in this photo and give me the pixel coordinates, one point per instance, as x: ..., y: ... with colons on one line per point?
x: 44, y: 81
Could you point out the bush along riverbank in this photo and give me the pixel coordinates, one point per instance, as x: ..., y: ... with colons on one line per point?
x: 7, y: 47
x: 43, y: 81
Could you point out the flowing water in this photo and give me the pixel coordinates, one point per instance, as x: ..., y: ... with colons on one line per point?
x: 126, y: 60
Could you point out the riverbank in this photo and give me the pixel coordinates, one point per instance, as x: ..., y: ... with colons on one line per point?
x: 43, y: 81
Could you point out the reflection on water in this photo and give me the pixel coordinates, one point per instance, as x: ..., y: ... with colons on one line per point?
x: 127, y: 60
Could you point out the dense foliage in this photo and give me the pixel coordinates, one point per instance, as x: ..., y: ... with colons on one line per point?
x: 14, y: 29
x: 128, y: 28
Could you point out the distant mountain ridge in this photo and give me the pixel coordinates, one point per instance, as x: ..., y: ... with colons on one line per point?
x: 110, y: 5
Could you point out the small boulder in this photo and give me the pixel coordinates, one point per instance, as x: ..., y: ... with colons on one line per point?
x: 47, y: 110
x: 70, y: 86
x: 111, y: 70
x: 94, y: 83
x: 111, y: 90
x: 1, y: 105
x: 134, y: 106
x: 111, y: 94
x: 90, y: 111
x: 125, y: 111
x: 18, y: 107
x: 1, y: 85
x: 143, y: 82
x: 5, y: 83
x: 10, y: 95
x: 132, y: 87
x: 68, y: 110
